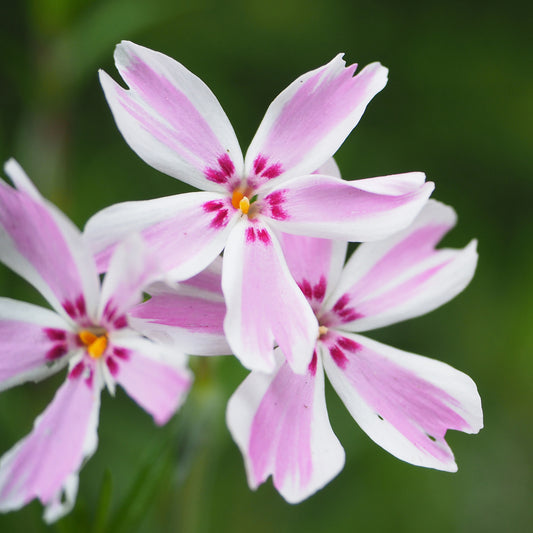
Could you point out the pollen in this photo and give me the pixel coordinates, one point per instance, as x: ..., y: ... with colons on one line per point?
x: 244, y: 205
x: 322, y: 330
x: 96, y: 345
x: 236, y: 198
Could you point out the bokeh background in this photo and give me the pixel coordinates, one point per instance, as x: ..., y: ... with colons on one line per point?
x: 458, y: 105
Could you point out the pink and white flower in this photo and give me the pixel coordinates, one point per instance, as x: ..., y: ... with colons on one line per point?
x: 404, y: 402
x: 89, y: 332
x: 174, y: 122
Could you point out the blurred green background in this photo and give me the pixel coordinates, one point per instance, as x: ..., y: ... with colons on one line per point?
x: 458, y: 106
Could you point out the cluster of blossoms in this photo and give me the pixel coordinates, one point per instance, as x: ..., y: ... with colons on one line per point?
x: 281, y: 298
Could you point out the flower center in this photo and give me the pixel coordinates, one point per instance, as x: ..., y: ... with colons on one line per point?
x: 96, y: 344
x: 322, y: 330
x: 240, y: 201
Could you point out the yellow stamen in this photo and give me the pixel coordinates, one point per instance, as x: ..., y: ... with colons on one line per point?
x: 322, y: 330
x: 87, y: 337
x: 244, y: 205
x: 96, y: 345
x: 236, y: 198
x: 97, y: 348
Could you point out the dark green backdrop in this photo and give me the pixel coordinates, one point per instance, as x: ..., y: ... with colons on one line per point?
x: 458, y: 106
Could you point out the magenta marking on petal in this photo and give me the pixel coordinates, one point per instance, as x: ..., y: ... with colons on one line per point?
x: 80, y: 306
x: 112, y: 366
x: 338, y: 356
x: 226, y: 164
x: 57, y: 351
x: 261, y: 169
x: 77, y: 371
x: 348, y: 344
x: 223, y: 173
x: 250, y: 235
x: 216, y: 176
x: 220, y: 220
x: 319, y: 289
x: 259, y: 163
x: 275, y: 201
x: 273, y: 171
x: 306, y: 288
x: 69, y: 308
x: 121, y: 353
x: 109, y: 311
x: 341, y: 302
x: 349, y: 315
x: 90, y: 379
x: 263, y: 235
x: 55, y: 334
x: 213, y: 205
x: 312, y: 364
x: 120, y: 322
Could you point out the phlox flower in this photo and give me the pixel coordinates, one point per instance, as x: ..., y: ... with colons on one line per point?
x: 89, y: 332
x: 173, y: 121
x: 404, y: 402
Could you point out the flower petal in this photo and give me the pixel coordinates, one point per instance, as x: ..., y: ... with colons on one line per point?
x: 43, y: 246
x: 171, y: 119
x: 132, y: 268
x: 263, y: 301
x: 190, y: 317
x: 45, y: 464
x: 33, y: 343
x: 361, y: 210
x: 152, y: 374
x: 315, y: 264
x: 403, y: 276
x: 404, y: 402
x: 184, y: 232
x: 281, y: 426
x: 309, y: 120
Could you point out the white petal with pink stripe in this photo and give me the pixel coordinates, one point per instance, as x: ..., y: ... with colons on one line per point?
x: 402, y: 401
x: 281, y: 425
x: 264, y: 303
x: 171, y: 119
x: 44, y: 464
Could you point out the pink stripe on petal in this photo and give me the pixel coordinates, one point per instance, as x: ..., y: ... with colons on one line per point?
x: 417, y: 247
x: 131, y: 270
x: 63, y: 436
x: 32, y: 343
x: 36, y: 246
x: 280, y: 436
x: 280, y: 423
x: 314, y: 263
x: 404, y: 402
x: 402, y: 276
x: 158, y: 387
x: 195, y: 314
x: 309, y: 120
x: 183, y: 233
x: 263, y: 301
x: 171, y: 118
x: 327, y: 207
x: 400, y: 293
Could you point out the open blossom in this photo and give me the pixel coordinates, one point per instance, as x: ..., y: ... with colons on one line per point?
x: 174, y: 122
x: 404, y: 402
x: 89, y: 332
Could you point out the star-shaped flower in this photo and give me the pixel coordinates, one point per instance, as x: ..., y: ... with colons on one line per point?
x: 175, y: 123
x: 89, y: 331
x: 404, y: 402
